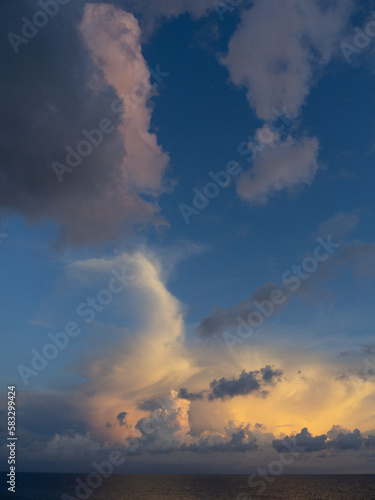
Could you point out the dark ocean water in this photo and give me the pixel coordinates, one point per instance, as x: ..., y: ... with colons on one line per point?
x: 190, y: 487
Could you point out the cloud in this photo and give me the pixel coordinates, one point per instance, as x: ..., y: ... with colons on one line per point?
x: 151, y: 356
x: 152, y: 13
x: 238, y: 437
x: 337, y: 438
x: 121, y: 417
x: 66, y: 88
x: 360, y: 256
x: 344, y: 439
x: 302, y: 440
x: 247, y: 383
x: 283, y: 165
x: 278, y: 48
x: 365, y: 350
x: 357, y: 256
x: 222, y: 318
x: 76, y: 447
x: 169, y: 426
x: 339, y: 226
x: 169, y: 430
x: 277, y: 52
x: 190, y: 396
x: 112, y: 37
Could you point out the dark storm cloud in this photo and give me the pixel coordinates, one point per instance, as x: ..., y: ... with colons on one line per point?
x: 121, y: 417
x: 190, y: 396
x: 351, y: 441
x: 50, y: 92
x: 246, y: 383
x: 303, y: 440
x: 337, y: 439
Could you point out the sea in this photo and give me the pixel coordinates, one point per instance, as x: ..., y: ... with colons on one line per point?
x: 32, y: 486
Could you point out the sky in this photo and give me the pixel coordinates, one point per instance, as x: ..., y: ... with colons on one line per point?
x: 186, y: 234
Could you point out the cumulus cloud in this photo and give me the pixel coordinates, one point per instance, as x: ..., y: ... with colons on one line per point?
x: 303, y: 440
x: 151, y: 358
x: 337, y: 438
x: 344, y: 439
x: 65, y: 89
x: 247, y: 383
x: 277, y: 52
x: 278, y: 48
x: 237, y: 437
x: 168, y: 429
x: 74, y: 447
x: 283, y: 165
x: 169, y: 426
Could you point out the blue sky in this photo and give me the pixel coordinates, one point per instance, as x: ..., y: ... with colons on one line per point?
x: 120, y: 208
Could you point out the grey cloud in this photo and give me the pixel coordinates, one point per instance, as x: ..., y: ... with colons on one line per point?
x: 337, y: 438
x: 302, y: 440
x: 246, y: 383
x: 339, y: 226
x: 121, y: 417
x: 190, y: 396
x: 351, y: 441
x: 343, y: 439
x: 47, y: 99
x: 357, y: 256
x: 364, y: 350
x: 276, y: 56
x: 238, y: 438
x: 223, y: 318
x: 361, y: 256
x: 149, y: 405
x: 278, y: 50
x: 285, y: 165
